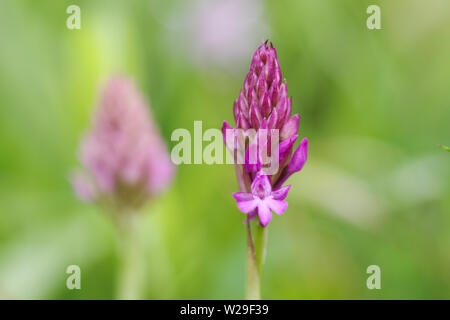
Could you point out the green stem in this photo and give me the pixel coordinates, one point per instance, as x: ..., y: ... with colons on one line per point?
x: 256, y: 252
x: 129, y: 273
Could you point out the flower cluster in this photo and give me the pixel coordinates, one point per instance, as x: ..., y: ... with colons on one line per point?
x: 125, y: 159
x: 264, y: 106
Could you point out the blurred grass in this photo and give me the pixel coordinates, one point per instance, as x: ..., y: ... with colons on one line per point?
x: 375, y: 190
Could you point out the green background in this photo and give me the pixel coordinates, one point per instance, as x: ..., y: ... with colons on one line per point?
x: 375, y: 190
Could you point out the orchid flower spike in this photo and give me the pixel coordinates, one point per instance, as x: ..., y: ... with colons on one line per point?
x: 124, y: 157
x: 263, y: 106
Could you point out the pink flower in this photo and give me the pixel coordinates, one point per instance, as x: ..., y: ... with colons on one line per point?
x: 125, y: 159
x: 218, y: 33
x: 263, y: 199
x: 263, y: 106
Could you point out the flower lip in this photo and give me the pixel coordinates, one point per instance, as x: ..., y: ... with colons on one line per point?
x: 262, y: 200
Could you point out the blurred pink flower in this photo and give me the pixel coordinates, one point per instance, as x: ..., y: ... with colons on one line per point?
x: 221, y: 32
x: 125, y: 158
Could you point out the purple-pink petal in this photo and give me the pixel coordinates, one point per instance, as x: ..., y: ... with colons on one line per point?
x: 264, y: 213
x: 273, y: 119
x: 299, y: 157
x: 277, y: 206
x: 290, y: 128
x: 281, y: 193
x: 246, y: 202
x: 285, y: 147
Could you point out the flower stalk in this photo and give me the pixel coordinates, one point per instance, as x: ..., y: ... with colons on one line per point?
x: 130, y: 261
x: 256, y: 254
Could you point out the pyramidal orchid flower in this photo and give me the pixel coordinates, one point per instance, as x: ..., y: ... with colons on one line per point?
x: 125, y: 163
x: 262, y: 145
x: 125, y: 159
x: 264, y: 106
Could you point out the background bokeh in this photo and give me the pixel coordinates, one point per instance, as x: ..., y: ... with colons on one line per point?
x: 374, y: 104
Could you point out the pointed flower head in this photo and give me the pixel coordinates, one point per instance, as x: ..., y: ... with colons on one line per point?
x: 124, y: 157
x: 264, y: 94
x: 263, y: 105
